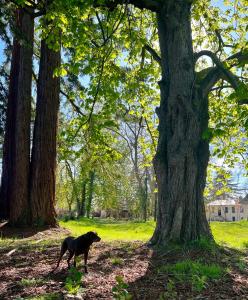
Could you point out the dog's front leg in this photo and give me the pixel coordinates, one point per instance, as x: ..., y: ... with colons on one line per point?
x: 75, y: 261
x: 85, y: 260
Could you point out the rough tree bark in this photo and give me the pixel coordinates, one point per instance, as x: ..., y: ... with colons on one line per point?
x: 182, y: 154
x: 43, y: 162
x: 16, y: 152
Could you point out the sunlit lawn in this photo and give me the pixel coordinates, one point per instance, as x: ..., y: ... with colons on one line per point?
x: 233, y: 234
x: 110, y: 230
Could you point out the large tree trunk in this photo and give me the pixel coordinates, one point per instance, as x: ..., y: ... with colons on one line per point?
x: 16, y: 152
x: 43, y: 163
x: 182, y: 154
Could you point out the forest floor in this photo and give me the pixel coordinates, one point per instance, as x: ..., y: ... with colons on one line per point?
x: 199, y: 271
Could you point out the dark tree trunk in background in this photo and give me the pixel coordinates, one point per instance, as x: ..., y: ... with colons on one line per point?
x: 155, y: 207
x: 83, y: 200
x: 154, y: 194
x: 16, y: 150
x: 182, y: 154
x: 145, y: 200
x: 91, y: 190
x: 141, y: 185
x: 43, y: 163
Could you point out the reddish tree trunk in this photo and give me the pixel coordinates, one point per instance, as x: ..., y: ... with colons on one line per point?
x: 43, y: 163
x: 16, y: 152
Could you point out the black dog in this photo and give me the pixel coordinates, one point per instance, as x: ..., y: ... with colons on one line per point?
x: 80, y: 245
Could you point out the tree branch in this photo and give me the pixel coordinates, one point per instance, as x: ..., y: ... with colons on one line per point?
x: 218, y: 72
x: 243, y: 101
x: 101, y: 27
x: 148, y: 4
x: 153, y: 53
x: 76, y: 108
x: 153, y: 5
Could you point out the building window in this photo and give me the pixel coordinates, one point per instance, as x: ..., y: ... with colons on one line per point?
x: 233, y: 218
x: 241, y: 209
x: 226, y: 210
x: 233, y: 209
x: 242, y: 218
x: 219, y: 211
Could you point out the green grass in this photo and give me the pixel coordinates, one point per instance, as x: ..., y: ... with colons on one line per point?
x: 51, y: 296
x: 232, y: 234
x: 110, y: 230
x: 193, y: 272
x: 31, y: 282
x: 117, y: 261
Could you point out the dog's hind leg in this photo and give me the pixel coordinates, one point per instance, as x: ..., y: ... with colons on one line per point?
x: 71, y: 253
x: 85, y: 260
x: 75, y: 262
x: 64, y: 248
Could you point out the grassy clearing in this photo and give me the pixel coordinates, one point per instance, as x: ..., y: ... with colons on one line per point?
x: 232, y: 234
x: 110, y: 230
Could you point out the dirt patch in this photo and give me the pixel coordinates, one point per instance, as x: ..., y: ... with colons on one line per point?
x: 26, y: 271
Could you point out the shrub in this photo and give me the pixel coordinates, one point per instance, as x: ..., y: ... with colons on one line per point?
x: 170, y: 292
x: 117, y: 261
x: 120, y: 291
x: 73, y: 281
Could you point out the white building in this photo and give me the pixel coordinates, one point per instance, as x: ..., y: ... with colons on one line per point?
x: 228, y: 210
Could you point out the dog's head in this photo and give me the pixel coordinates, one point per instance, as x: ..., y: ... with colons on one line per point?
x: 93, y: 236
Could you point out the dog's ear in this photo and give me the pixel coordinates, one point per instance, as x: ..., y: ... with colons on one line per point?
x: 90, y: 233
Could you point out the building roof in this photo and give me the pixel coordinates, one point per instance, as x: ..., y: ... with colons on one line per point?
x: 222, y: 202
x: 244, y: 200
